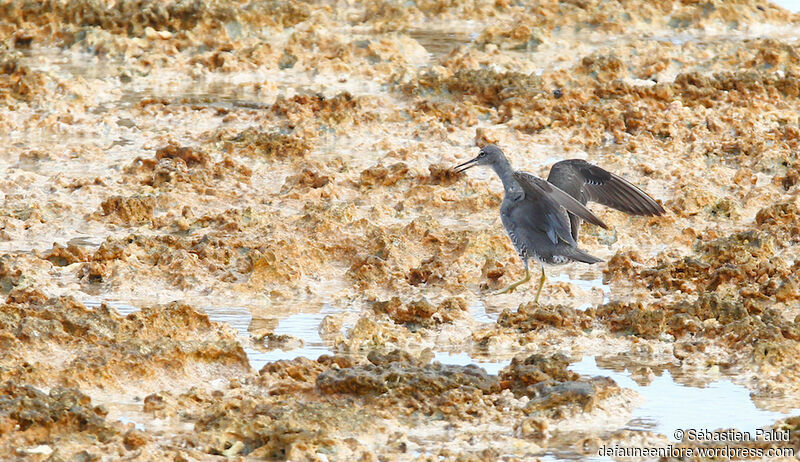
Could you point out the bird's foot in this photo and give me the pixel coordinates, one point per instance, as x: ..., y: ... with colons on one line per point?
x: 513, y: 286
x: 509, y: 289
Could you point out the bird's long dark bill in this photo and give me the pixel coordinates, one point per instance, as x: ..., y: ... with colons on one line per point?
x: 466, y: 165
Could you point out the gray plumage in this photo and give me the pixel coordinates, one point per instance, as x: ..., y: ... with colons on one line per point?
x: 538, y: 224
x: 586, y: 182
x: 542, y: 218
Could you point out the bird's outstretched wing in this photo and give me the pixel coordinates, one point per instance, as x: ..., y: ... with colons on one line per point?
x: 539, y: 190
x: 587, y: 182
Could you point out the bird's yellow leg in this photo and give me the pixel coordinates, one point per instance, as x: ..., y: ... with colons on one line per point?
x: 518, y: 283
x: 541, y: 284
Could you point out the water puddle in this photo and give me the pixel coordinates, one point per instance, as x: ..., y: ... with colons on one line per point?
x: 587, y: 285
x: 463, y: 359
x: 478, y: 312
x: 122, y: 308
x: 487, y: 309
x: 304, y: 326
x: 301, y: 325
x: 670, y: 406
x: 791, y: 5
x: 127, y: 420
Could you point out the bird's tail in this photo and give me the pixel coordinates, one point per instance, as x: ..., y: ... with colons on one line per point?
x: 580, y: 255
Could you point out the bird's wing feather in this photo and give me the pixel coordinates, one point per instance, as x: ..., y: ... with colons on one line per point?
x: 529, y: 220
x: 556, y: 228
x: 587, y: 182
x: 538, y: 189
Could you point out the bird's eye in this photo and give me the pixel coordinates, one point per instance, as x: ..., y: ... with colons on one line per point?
x: 482, y: 154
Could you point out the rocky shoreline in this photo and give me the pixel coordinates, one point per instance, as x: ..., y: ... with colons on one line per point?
x: 286, y: 156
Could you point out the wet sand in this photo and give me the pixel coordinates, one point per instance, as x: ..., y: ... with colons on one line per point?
x: 230, y: 229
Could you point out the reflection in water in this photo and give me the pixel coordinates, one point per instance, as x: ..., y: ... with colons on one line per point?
x: 301, y: 325
x: 670, y: 406
x: 122, y: 308
x: 127, y: 420
x: 463, y: 359
x: 586, y: 285
x: 478, y: 312
x: 304, y: 326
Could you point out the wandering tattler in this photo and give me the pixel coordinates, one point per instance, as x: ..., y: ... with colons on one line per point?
x: 542, y: 218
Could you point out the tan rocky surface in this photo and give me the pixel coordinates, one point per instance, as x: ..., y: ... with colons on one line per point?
x: 169, y: 163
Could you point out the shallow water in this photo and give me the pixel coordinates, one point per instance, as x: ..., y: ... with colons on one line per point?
x: 122, y: 308
x: 464, y: 359
x: 478, y: 312
x: 791, y: 5
x: 587, y: 285
x: 304, y: 326
x: 713, y: 406
x: 670, y: 406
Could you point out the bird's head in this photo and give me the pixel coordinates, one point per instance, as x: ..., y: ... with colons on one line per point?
x: 489, y: 155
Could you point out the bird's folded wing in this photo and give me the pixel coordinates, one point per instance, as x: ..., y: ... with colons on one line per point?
x: 538, y: 189
x: 591, y: 183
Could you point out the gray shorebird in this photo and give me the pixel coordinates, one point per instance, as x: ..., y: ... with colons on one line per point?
x: 542, y: 218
